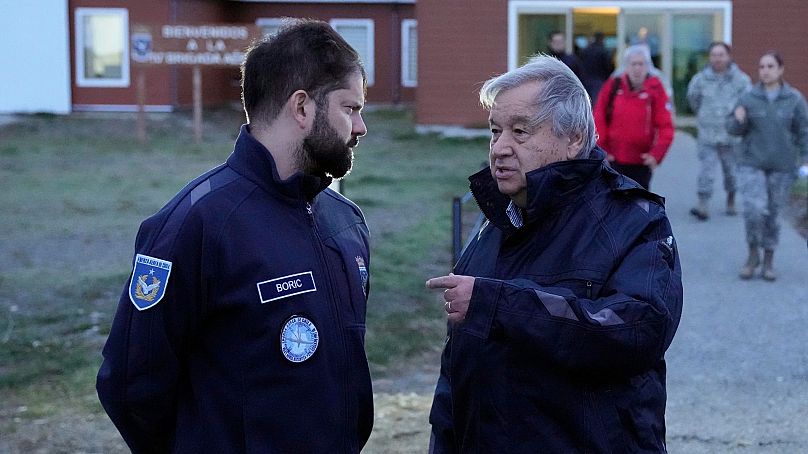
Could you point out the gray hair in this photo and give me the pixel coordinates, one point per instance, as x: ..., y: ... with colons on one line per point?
x: 561, y: 98
x: 638, y: 49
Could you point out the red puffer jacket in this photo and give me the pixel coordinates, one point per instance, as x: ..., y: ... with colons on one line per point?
x: 640, y: 121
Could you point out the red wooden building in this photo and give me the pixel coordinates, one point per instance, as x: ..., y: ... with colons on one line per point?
x: 65, y: 55
x: 383, y: 32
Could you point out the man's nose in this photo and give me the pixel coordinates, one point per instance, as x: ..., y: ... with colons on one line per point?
x: 501, y: 147
x: 359, y: 128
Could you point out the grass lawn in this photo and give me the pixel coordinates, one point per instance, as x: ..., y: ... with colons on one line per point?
x: 75, y: 188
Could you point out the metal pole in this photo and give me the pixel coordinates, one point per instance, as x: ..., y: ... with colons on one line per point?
x: 141, y: 106
x: 457, y: 227
x: 197, y: 84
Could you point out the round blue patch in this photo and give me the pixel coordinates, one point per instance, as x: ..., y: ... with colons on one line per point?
x: 299, y: 339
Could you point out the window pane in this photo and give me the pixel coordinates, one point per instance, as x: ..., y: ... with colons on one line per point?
x: 646, y: 29
x: 269, y: 30
x: 533, y: 31
x: 412, y: 58
x: 692, y: 35
x: 269, y: 26
x: 103, y: 46
x: 359, y: 37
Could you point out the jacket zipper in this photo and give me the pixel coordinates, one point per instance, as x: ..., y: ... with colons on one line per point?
x: 335, y: 311
x: 589, y: 290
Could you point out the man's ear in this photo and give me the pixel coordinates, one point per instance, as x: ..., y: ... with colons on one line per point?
x: 576, y: 142
x: 302, y: 107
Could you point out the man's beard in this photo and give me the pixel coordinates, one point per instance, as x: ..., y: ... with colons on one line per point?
x: 323, y: 151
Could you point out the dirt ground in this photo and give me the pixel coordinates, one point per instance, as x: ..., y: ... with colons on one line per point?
x: 401, y: 427
x: 402, y: 405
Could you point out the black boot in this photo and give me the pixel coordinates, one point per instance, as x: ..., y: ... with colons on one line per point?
x: 700, y: 212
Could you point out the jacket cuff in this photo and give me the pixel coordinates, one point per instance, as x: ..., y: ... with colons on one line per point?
x: 658, y: 154
x: 482, y: 307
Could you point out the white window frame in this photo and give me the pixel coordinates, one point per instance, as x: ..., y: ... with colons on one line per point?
x: 407, y: 25
x: 269, y: 21
x: 81, y: 80
x: 369, y: 63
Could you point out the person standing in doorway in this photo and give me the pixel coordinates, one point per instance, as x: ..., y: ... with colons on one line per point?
x: 557, y: 47
x: 597, y: 65
x: 712, y: 94
x: 633, y: 118
x: 772, y: 119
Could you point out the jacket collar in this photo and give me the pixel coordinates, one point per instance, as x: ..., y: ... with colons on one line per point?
x: 785, y: 90
x: 251, y: 159
x: 548, y: 188
x: 731, y: 71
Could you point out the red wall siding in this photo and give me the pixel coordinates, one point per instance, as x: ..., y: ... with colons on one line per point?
x: 462, y: 43
x: 759, y: 26
x: 173, y: 86
x: 387, y: 30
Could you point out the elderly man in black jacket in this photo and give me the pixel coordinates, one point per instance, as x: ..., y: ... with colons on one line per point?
x: 561, y: 308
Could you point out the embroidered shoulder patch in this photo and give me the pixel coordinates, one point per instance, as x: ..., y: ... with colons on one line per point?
x: 149, y: 281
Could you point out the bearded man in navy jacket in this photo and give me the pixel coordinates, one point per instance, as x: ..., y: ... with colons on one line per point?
x: 562, y: 306
x: 242, y: 326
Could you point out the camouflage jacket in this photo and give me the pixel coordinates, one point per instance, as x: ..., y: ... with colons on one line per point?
x: 712, y: 97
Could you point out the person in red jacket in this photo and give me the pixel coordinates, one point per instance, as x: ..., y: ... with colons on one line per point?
x: 633, y: 118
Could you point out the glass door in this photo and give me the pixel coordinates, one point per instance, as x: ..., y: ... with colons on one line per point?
x: 649, y: 29
x: 588, y: 21
x: 533, y: 32
x: 692, y: 35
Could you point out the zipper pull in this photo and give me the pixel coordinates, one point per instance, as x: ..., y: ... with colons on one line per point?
x: 589, y: 289
x: 310, y: 212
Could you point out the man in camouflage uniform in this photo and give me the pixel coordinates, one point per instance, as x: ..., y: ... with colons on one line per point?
x: 712, y: 94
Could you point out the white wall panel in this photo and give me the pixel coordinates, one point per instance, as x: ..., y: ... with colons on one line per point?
x: 34, y: 56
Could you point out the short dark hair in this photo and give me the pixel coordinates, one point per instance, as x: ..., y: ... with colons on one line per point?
x: 304, y: 55
x: 719, y: 43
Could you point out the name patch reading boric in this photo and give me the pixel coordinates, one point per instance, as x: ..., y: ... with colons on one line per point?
x: 286, y: 286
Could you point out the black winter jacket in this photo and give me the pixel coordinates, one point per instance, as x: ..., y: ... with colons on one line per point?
x: 203, y: 369
x: 562, y: 349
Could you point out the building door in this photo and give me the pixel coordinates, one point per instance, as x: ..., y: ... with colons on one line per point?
x: 692, y: 33
x: 534, y: 30
x: 649, y: 29
x: 588, y: 21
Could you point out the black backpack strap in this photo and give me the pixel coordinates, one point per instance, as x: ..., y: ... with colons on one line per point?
x: 610, y: 99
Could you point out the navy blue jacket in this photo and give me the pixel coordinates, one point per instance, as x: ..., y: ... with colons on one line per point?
x: 203, y: 370
x: 562, y: 347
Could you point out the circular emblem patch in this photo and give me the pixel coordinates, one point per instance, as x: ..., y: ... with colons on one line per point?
x: 299, y: 339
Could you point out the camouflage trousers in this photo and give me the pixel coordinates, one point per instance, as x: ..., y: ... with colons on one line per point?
x: 764, y: 194
x: 710, y: 155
